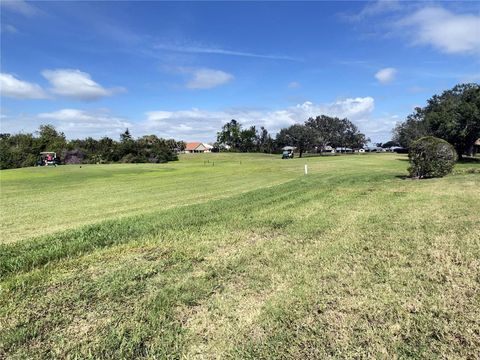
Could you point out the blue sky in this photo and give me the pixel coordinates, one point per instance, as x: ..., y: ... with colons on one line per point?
x: 182, y: 69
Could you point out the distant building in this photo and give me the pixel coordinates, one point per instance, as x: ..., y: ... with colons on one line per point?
x: 197, y: 147
x: 398, y: 149
x: 343, y: 150
x: 374, y: 149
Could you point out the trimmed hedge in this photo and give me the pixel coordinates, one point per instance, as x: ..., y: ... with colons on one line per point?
x: 431, y: 157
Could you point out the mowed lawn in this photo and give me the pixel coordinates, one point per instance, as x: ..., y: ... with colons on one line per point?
x: 240, y: 256
x: 45, y: 200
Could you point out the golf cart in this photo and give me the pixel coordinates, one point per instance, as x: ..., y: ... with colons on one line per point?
x: 287, y: 152
x: 47, y: 158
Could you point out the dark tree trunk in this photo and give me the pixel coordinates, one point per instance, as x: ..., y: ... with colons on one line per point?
x: 459, y: 152
x: 470, y: 149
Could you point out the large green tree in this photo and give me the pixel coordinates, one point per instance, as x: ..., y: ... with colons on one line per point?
x: 300, y: 136
x: 413, y: 128
x: 332, y: 131
x: 50, y: 139
x: 18, y: 150
x: 453, y: 116
x: 248, y: 140
x: 265, y: 142
x: 230, y: 135
x: 244, y: 140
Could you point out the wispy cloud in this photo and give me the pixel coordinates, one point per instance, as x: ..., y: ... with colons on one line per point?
x: 373, y: 8
x: 21, y: 7
x: 207, y: 78
x: 7, y: 28
x: 294, y: 85
x: 444, y: 30
x: 219, y: 51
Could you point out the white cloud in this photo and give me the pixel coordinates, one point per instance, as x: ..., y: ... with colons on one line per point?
x: 21, y: 7
x: 76, y: 84
x: 66, y: 115
x: 444, y: 30
x: 352, y: 108
x: 77, y: 123
x: 198, y: 124
x: 208, y: 78
x: 10, y: 86
x: 378, y: 128
x: 386, y: 76
x: 201, y: 124
x: 184, y: 124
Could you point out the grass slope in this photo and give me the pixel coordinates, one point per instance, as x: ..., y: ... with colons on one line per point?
x: 349, y: 261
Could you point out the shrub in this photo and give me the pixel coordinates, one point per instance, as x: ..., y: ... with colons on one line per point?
x: 75, y: 156
x: 431, y: 157
x: 129, y: 158
x: 30, y: 160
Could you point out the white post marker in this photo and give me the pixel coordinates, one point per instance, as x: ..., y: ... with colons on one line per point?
x: 306, y: 169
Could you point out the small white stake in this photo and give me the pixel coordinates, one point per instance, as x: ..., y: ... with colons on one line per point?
x: 306, y: 169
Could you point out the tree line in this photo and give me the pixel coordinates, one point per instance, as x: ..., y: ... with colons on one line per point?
x: 453, y: 116
x: 21, y: 150
x: 316, y: 134
x: 233, y: 137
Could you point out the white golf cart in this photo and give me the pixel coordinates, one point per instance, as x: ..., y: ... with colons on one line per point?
x: 287, y: 152
x: 47, y: 158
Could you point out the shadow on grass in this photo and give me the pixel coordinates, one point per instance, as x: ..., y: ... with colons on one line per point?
x: 469, y: 160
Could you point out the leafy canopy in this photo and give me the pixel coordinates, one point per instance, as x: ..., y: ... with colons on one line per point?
x: 453, y: 116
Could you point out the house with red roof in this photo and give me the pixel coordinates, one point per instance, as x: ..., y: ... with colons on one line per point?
x: 198, y: 147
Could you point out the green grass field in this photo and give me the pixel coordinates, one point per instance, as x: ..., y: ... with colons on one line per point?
x: 240, y: 256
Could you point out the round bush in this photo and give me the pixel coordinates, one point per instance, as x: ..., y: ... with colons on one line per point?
x: 431, y: 157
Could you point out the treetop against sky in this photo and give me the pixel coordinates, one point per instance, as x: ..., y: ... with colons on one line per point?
x: 183, y: 69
